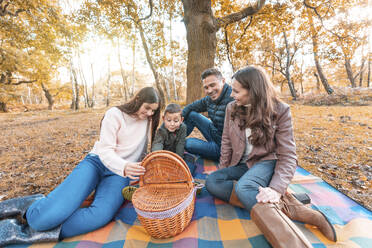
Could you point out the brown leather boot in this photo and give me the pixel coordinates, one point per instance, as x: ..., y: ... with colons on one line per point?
x: 295, y: 210
x: 234, y: 200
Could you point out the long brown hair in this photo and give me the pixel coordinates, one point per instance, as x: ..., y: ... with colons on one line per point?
x: 145, y: 95
x: 260, y: 113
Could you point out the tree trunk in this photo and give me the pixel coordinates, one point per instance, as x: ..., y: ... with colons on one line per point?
x: 29, y: 95
x: 319, y: 69
x: 85, y: 84
x: 108, y: 83
x: 317, y: 81
x: 125, y: 84
x: 166, y: 87
x: 75, y: 89
x: 361, y: 72
x: 302, y: 77
x: 287, y: 72
x: 149, y: 60
x: 48, y: 96
x: 73, y: 98
x: 321, y: 75
x: 201, y: 28
x: 76, y: 85
x: 369, y: 69
x: 133, y: 67
x: 91, y: 104
x: 349, y: 72
x: 3, y: 107
x: 174, y: 86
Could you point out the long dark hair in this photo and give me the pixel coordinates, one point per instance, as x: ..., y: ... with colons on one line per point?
x: 145, y: 95
x: 260, y: 112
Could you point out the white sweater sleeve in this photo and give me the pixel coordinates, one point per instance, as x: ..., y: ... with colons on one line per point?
x: 111, y: 123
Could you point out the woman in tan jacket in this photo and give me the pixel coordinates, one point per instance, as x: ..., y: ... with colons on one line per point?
x: 258, y: 152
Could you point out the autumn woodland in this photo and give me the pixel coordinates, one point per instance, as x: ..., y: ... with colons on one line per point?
x: 64, y: 62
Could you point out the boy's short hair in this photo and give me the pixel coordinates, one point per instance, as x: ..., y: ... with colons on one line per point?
x: 173, y: 108
x: 211, y: 71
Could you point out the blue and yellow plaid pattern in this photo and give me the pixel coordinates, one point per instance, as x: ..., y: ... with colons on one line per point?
x: 218, y: 224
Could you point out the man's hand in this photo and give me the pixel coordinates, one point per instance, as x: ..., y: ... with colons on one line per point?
x: 134, y: 170
x: 268, y: 194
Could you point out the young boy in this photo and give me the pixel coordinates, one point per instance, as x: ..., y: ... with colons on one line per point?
x: 171, y: 135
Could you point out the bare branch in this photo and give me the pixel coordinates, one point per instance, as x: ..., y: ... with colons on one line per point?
x: 4, y: 11
x: 321, y: 21
x: 237, y: 16
x: 228, y: 48
x: 148, y: 16
x: 246, y: 27
x: 24, y: 82
x: 139, y: 19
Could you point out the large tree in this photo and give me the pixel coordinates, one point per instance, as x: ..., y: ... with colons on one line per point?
x: 201, y: 28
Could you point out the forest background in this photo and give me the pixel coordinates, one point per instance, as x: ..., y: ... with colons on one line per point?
x: 63, y: 62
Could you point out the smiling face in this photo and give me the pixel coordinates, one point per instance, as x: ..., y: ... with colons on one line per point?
x: 240, y: 94
x: 172, y: 121
x: 213, y: 86
x: 146, y: 110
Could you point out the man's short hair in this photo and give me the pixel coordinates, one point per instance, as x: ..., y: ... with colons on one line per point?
x: 210, y: 72
x: 173, y: 108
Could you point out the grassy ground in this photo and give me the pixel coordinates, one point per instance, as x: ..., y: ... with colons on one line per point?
x: 38, y: 149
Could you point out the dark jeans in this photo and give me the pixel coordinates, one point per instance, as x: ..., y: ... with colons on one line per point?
x: 220, y: 183
x: 206, y: 149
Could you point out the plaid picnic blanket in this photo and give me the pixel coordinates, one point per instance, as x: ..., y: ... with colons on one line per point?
x: 218, y: 224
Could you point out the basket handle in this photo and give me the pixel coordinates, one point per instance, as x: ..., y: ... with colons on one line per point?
x: 169, y: 155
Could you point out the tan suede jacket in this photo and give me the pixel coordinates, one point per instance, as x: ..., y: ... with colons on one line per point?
x: 284, y: 147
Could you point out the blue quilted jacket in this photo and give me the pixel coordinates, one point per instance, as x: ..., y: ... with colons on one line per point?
x: 216, y: 110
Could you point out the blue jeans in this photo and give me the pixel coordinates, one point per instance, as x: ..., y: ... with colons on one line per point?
x: 220, y: 183
x: 206, y: 149
x: 62, y: 205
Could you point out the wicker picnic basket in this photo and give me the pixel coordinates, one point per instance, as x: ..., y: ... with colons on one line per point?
x: 165, y: 199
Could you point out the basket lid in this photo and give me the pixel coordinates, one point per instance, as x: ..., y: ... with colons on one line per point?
x: 166, y: 183
x: 165, y: 167
x: 160, y: 198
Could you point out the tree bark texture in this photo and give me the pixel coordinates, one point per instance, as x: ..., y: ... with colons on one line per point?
x: 361, y: 73
x: 108, y: 83
x: 75, y: 89
x: 133, y: 67
x: 151, y: 64
x: 369, y: 69
x: 201, y: 29
x: 125, y: 83
x: 91, y: 104
x: 349, y: 72
x: 3, y: 107
x: 48, y: 96
x: 319, y: 69
x: 173, y: 79
x: 287, y: 71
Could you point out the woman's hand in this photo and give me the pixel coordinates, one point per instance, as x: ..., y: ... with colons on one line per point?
x: 268, y: 194
x: 134, y: 170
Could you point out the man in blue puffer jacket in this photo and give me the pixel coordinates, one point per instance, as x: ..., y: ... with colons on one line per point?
x: 217, y: 97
